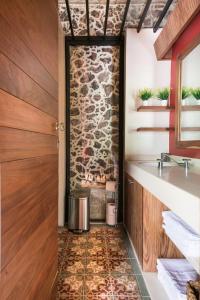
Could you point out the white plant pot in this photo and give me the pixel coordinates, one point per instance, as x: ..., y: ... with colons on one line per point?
x: 183, y: 102
x: 163, y: 102
x: 145, y: 103
x: 198, y: 101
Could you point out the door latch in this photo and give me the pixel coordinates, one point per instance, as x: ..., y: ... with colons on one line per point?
x: 60, y: 126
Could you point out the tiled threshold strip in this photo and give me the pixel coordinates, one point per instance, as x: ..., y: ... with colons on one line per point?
x: 98, y: 265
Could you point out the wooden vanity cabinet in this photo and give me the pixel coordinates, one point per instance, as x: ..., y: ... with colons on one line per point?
x: 128, y: 202
x: 143, y: 220
x: 134, y: 214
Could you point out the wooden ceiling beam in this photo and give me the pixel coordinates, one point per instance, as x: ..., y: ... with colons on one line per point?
x: 178, y: 20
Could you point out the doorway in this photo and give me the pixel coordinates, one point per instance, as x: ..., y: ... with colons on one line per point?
x: 95, y: 117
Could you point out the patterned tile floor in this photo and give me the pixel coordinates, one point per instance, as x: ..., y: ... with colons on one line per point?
x: 98, y: 265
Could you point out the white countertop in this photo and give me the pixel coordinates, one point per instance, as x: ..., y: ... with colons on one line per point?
x: 178, y: 192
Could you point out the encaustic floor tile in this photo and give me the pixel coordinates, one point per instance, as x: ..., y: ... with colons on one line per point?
x: 124, y: 285
x: 70, y: 287
x: 98, y: 265
x: 97, y: 286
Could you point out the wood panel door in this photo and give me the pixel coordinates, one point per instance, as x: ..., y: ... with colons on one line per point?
x: 28, y: 149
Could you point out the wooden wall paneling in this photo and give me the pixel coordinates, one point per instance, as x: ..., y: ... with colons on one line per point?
x: 19, y: 144
x: 48, y: 291
x: 36, y: 23
x: 178, y: 20
x: 28, y: 148
x: 54, y: 287
x: 14, y: 81
x: 33, y: 265
x: 155, y: 243
x: 18, y: 114
x: 29, y: 195
x: 16, y: 51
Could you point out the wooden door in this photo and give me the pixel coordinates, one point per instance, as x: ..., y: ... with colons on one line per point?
x: 28, y: 148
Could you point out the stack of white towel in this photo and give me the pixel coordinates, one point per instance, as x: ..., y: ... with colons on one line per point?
x: 183, y: 236
x: 174, y: 275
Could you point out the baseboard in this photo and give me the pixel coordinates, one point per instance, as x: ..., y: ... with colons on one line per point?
x: 132, y: 247
x: 154, y: 287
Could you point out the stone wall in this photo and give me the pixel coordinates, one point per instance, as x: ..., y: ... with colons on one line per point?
x: 94, y: 111
x: 116, y: 11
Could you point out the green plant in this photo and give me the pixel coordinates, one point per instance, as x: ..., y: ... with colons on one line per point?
x: 185, y: 92
x: 145, y: 94
x: 163, y: 94
x: 196, y: 93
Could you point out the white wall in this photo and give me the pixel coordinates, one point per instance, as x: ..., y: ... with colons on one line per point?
x: 143, y: 70
x: 61, y: 118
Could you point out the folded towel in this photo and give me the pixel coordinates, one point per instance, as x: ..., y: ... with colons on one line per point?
x: 189, y: 248
x: 170, y: 288
x: 179, y: 226
x: 174, y: 275
x: 193, y: 290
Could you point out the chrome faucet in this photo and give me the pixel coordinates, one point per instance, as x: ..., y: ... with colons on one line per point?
x: 160, y: 163
x: 165, y: 157
x: 186, y: 162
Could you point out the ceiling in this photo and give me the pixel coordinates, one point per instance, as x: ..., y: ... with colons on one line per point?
x: 116, y: 13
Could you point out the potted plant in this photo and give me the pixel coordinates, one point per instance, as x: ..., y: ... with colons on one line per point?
x: 196, y: 95
x: 184, y: 94
x: 163, y: 95
x: 145, y: 95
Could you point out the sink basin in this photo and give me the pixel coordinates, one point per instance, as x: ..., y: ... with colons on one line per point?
x: 155, y: 163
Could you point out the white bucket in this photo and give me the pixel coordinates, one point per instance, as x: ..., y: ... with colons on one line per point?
x: 111, y: 214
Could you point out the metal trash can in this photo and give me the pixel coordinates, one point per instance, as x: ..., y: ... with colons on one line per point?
x: 79, y: 211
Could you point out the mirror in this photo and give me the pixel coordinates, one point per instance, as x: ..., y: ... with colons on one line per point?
x: 189, y: 99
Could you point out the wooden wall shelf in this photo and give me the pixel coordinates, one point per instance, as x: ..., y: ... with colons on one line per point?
x: 190, y: 108
x: 156, y: 129
x: 190, y: 129
x: 155, y: 108
x: 165, y: 129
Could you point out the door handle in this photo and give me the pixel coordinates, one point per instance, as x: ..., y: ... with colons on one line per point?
x: 130, y: 181
x: 60, y: 126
